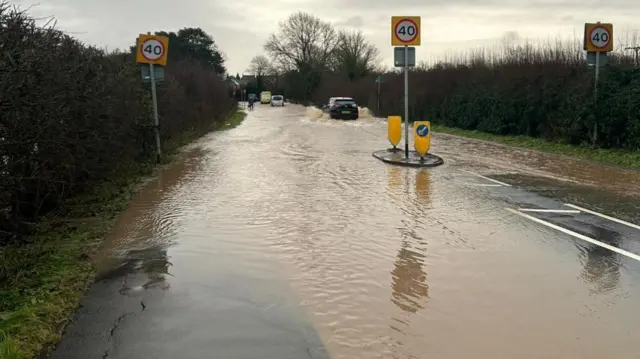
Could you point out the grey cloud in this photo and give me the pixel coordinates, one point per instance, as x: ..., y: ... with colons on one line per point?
x: 241, y: 27
x: 116, y: 23
x: 511, y: 36
x: 400, y: 7
x: 427, y: 7
x: 355, y: 21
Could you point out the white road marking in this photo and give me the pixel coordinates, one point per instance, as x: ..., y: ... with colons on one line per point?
x: 483, y: 184
x: 603, y: 216
x: 488, y: 179
x: 548, y: 210
x: 576, y: 235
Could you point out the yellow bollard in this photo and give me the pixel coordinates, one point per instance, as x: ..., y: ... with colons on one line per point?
x: 422, y: 137
x: 395, y: 130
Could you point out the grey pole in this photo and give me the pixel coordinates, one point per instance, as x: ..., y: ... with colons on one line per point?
x: 154, y: 100
x: 156, y: 122
x: 406, y: 102
x: 378, y: 106
x: 595, y: 98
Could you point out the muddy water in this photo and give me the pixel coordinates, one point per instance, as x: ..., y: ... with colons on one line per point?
x: 386, y: 262
x: 545, y: 165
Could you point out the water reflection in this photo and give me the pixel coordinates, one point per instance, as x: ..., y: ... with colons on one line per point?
x: 408, y: 277
x: 142, y: 234
x: 601, y: 267
x: 423, y: 188
x: 395, y: 179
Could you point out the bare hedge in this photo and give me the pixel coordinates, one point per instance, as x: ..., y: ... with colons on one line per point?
x: 72, y: 115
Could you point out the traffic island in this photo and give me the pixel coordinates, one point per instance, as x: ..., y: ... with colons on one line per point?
x: 422, y: 142
x: 396, y: 156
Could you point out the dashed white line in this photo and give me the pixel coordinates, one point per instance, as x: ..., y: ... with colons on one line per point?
x: 576, y: 235
x: 548, y: 210
x: 603, y: 216
x: 488, y: 179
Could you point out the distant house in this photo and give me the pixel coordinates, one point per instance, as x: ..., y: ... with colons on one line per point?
x: 234, y: 84
x: 247, y: 80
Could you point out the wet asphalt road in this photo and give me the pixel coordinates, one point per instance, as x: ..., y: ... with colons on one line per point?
x: 284, y: 238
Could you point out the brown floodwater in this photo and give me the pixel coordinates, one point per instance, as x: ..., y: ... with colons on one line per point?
x: 391, y: 262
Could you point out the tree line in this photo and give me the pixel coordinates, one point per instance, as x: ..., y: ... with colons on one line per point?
x: 543, y: 90
x: 306, y: 50
x: 73, y: 116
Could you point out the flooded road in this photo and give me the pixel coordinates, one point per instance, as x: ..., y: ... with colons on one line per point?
x: 285, y: 238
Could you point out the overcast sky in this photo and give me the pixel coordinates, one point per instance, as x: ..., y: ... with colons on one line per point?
x: 241, y: 27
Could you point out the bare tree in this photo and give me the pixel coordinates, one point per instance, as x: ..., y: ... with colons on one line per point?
x: 260, y: 66
x: 302, y: 41
x: 355, y: 56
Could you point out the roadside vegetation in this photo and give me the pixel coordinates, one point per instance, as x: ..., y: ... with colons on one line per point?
x: 539, y: 91
x: 76, y: 138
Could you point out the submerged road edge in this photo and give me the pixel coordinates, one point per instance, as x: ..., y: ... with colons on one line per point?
x: 73, y: 277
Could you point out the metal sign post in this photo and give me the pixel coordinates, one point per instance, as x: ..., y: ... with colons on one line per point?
x: 598, y: 38
x: 378, y: 98
x: 405, y: 31
x: 244, y: 99
x: 406, y: 102
x: 152, y: 51
x: 156, y: 121
x: 378, y: 80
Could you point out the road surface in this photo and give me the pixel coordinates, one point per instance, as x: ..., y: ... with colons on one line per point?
x: 284, y: 238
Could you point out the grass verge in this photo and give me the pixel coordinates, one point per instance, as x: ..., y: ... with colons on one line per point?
x: 42, y: 281
x: 629, y: 159
x: 234, y: 120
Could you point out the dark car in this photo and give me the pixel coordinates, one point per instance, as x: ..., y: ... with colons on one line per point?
x: 343, y: 108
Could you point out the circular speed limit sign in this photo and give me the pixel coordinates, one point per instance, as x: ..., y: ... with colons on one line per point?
x: 600, y: 37
x: 406, y: 30
x: 152, y: 49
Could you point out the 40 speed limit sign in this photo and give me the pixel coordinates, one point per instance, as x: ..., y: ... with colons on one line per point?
x: 405, y: 31
x: 598, y: 37
x: 152, y: 49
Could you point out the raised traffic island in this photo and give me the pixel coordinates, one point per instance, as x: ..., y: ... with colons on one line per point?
x: 397, y: 157
x: 422, y: 143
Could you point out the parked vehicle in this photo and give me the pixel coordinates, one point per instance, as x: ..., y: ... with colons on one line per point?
x: 277, y: 100
x: 344, y: 108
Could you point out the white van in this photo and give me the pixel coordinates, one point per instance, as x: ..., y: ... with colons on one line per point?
x: 277, y: 100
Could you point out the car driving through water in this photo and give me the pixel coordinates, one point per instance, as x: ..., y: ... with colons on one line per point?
x: 344, y: 108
